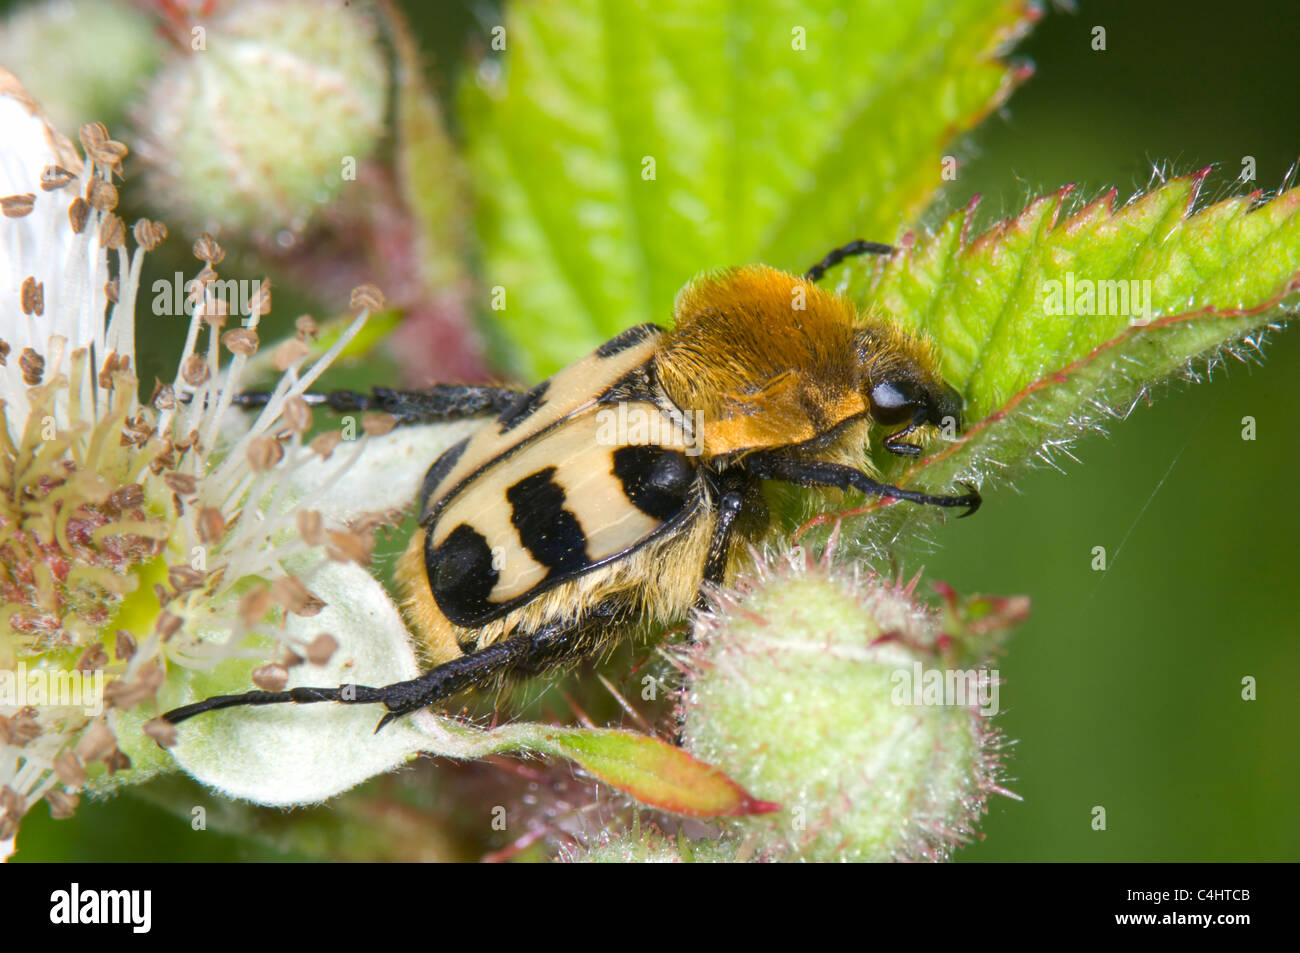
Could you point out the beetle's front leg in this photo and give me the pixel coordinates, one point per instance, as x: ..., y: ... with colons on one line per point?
x: 773, y: 466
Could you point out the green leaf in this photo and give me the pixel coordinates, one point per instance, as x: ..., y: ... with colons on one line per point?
x: 761, y: 150
x: 658, y: 774
x: 1034, y: 380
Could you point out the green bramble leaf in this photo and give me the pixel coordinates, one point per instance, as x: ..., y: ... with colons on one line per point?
x: 1052, y: 321
x: 628, y: 148
x: 657, y: 774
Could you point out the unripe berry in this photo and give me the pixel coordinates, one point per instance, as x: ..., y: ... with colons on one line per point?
x: 804, y: 690
x: 83, y: 60
x: 265, y: 117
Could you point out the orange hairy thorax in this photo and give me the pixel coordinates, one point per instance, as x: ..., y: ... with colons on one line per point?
x: 768, y: 359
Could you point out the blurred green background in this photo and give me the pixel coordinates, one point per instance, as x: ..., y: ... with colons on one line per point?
x: 1124, y: 689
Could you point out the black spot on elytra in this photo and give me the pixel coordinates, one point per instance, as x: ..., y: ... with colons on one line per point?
x: 550, y: 533
x: 523, y: 407
x: 629, y: 338
x: 438, y: 472
x: 461, y: 575
x: 656, y: 479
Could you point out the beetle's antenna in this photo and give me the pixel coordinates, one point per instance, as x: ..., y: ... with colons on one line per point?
x: 836, y: 256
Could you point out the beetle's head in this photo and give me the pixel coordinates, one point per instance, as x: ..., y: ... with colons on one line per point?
x: 904, y: 392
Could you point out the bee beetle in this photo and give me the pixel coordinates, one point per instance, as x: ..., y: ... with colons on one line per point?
x: 615, y: 491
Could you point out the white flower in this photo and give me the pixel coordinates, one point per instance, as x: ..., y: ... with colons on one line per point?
x: 144, y: 545
x: 38, y: 248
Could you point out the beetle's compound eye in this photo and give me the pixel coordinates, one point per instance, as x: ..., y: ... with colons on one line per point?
x: 946, y: 406
x: 894, y: 402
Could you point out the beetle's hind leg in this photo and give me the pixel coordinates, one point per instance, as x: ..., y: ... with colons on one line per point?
x: 440, y: 403
x: 837, y: 255
x: 523, y: 654
x: 528, y: 653
x: 348, y: 694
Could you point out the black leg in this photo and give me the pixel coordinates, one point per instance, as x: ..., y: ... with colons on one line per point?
x: 436, y: 404
x: 836, y: 256
x: 348, y: 694
x: 769, y: 466
x: 731, y: 496
x: 525, y: 654
x: 449, y: 678
x: 729, y: 507
x: 519, y: 654
x: 732, y: 493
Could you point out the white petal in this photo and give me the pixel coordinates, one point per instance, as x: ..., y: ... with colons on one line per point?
x: 42, y: 247
x: 30, y: 143
x: 386, y: 476
x: 301, y: 754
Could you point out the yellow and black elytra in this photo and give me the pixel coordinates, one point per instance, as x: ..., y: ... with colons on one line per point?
x: 610, y: 493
